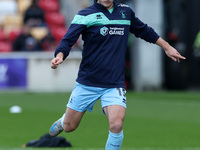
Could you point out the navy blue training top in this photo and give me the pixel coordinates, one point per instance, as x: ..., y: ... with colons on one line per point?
x: 105, y: 35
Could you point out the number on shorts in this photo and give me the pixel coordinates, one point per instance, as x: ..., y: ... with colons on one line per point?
x: 122, y: 92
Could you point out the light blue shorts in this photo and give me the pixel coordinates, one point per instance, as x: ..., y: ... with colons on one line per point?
x: 84, y: 97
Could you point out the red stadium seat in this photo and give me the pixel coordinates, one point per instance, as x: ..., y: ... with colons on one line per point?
x: 55, y: 19
x: 2, y: 35
x: 49, y: 5
x: 13, y: 35
x: 5, y: 47
x: 58, y: 33
x: 50, y: 0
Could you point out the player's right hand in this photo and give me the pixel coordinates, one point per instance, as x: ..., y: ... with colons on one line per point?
x: 57, y: 61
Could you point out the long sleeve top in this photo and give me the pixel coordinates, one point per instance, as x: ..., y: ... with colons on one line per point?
x: 105, y: 34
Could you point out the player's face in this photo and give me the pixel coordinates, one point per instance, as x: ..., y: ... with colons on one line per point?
x: 106, y: 3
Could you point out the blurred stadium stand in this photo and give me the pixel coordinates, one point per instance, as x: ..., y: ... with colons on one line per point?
x: 12, y: 13
x: 12, y: 16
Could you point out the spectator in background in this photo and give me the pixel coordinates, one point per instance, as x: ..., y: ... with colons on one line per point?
x: 34, y: 15
x: 25, y: 41
x: 48, y: 43
x: 31, y: 45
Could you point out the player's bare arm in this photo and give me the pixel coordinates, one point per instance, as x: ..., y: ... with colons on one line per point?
x: 57, y: 60
x: 169, y: 50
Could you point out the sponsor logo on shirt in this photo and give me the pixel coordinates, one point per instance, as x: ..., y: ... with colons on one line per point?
x: 112, y: 31
x: 104, y: 31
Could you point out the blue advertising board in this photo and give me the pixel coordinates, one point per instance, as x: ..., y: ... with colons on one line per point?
x: 13, y: 73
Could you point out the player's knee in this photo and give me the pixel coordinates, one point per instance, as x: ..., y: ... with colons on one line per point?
x: 116, y: 126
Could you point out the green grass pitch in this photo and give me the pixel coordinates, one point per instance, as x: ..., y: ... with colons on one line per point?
x: 154, y: 121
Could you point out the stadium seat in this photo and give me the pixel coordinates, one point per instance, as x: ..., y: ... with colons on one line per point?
x: 2, y: 37
x: 55, y: 19
x: 13, y: 20
x: 13, y: 34
x: 58, y: 33
x: 57, y: 1
x: 5, y: 47
x: 23, y: 5
x: 7, y: 7
x: 8, y: 30
x: 49, y: 5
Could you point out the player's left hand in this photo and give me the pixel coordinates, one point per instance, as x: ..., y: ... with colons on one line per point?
x: 173, y: 54
x: 169, y: 50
